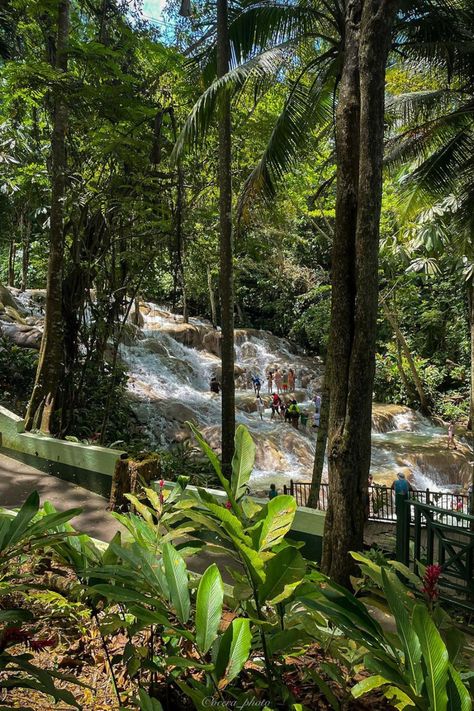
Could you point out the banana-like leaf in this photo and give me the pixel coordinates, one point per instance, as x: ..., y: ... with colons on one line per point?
x: 410, y: 642
x: 17, y: 526
x: 282, y: 573
x: 276, y: 519
x: 211, y: 455
x: 368, y: 684
x: 233, y: 651
x: 435, y: 657
x: 398, y: 698
x: 242, y: 461
x: 210, y: 596
x: 177, y: 578
x: 459, y: 698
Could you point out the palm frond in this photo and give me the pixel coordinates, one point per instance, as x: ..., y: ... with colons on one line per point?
x: 306, y: 106
x: 265, y: 24
x: 198, y: 122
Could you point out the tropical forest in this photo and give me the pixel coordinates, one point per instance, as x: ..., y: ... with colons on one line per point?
x: 237, y: 355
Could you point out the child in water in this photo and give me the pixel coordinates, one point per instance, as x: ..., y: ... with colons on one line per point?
x: 260, y: 407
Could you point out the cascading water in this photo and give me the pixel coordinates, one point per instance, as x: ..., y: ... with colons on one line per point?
x: 170, y: 366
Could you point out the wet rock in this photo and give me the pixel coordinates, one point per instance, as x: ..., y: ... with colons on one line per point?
x: 211, y: 342
x: 9, y: 301
x: 22, y: 335
x: 130, y: 334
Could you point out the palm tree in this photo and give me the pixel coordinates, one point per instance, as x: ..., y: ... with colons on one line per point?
x: 348, y: 45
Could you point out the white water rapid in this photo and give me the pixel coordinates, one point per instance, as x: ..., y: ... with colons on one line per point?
x: 170, y: 365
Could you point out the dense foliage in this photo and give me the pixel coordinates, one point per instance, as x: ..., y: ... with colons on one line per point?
x: 184, y: 640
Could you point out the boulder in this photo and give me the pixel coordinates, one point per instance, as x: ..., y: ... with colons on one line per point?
x: 21, y: 335
x: 9, y: 301
x: 185, y: 333
x: 211, y: 342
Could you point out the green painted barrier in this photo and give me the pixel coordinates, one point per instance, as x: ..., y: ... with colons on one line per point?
x: 86, y: 465
x: 92, y: 467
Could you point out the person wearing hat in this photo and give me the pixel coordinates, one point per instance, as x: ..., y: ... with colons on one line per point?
x: 401, y: 485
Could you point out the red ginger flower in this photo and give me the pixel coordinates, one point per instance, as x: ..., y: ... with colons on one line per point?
x: 228, y: 505
x: 430, y: 582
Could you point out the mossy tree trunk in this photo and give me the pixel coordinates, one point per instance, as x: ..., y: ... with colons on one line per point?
x: 226, y: 244
x: 351, y: 353
x: 45, y: 397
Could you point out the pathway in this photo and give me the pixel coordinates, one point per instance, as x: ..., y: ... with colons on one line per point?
x: 18, y: 480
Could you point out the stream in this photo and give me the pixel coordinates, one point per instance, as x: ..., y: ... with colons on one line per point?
x: 170, y: 364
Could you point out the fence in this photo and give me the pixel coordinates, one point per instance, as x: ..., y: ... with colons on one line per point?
x: 423, y: 535
x: 382, y: 501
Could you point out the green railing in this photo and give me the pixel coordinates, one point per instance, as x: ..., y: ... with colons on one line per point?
x: 425, y: 533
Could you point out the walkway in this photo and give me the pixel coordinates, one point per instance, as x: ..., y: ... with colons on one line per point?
x: 18, y: 480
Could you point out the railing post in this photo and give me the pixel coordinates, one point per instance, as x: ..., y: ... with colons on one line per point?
x: 292, y: 488
x: 285, y: 489
x: 428, y: 497
x: 403, y: 528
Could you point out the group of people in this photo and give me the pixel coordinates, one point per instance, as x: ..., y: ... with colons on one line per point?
x: 282, y: 381
x: 289, y: 411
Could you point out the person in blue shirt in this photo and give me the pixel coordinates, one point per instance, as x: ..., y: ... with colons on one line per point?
x: 273, y: 492
x: 402, y: 486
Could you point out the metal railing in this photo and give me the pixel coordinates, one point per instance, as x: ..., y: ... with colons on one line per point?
x: 382, y: 500
x: 424, y: 535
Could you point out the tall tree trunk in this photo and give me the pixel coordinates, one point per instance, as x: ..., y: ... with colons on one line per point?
x: 180, y: 207
x: 226, y: 244
x: 321, y: 443
x: 471, y: 330
x: 212, y: 298
x: 11, y: 263
x: 25, y: 259
x: 44, y: 398
x: 424, y: 406
x: 359, y: 150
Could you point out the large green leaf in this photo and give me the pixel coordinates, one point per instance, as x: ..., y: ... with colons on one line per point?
x: 435, y: 657
x: 282, y: 573
x: 233, y: 651
x: 368, y: 684
x: 12, y: 533
x: 210, y: 596
x: 275, y: 521
x: 242, y: 461
x: 211, y: 455
x: 177, y: 579
x: 459, y: 698
x: 410, y: 642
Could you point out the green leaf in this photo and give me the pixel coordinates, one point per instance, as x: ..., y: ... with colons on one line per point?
x: 398, y: 698
x: 147, y: 703
x: 410, y: 642
x: 459, y: 698
x: 211, y: 455
x: 326, y: 690
x: 435, y: 657
x: 277, y: 517
x: 242, y: 461
x: 210, y: 596
x: 184, y: 663
x: 18, y: 525
x: 282, y: 573
x: 177, y: 578
x: 233, y: 651
x: 369, y: 684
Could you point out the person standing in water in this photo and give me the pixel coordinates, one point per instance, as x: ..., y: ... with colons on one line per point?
x: 273, y: 492
x: 284, y: 380
x: 451, y: 442
x: 270, y: 381
x: 277, y: 379
x: 275, y: 405
x: 260, y: 407
x: 214, y: 385
x: 291, y: 380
